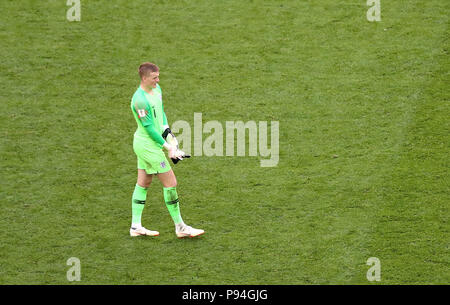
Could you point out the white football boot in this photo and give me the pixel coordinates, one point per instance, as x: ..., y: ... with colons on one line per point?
x: 187, y: 231
x: 142, y: 231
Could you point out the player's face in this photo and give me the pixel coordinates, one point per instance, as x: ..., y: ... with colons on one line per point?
x: 151, y: 80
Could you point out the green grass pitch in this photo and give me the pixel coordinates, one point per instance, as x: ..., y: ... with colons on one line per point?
x: 364, y: 141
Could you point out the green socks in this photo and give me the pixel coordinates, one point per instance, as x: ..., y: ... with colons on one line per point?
x: 171, y: 200
x: 137, y: 204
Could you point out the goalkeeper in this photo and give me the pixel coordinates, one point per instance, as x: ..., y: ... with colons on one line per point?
x: 152, y: 135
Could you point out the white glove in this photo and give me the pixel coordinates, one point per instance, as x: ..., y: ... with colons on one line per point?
x: 179, y: 154
x: 171, y: 149
x: 171, y: 145
x: 172, y: 140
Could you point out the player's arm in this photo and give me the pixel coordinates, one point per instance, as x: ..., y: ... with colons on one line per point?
x: 145, y: 114
x: 147, y: 120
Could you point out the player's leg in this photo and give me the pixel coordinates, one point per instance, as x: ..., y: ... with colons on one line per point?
x: 139, y: 197
x: 138, y: 203
x: 147, y: 164
x: 169, y: 183
x: 143, y: 179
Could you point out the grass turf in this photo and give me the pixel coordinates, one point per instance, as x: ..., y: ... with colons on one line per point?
x: 363, y: 170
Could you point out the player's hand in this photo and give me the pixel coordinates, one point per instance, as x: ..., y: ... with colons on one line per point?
x: 172, y: 140
x: 169, y: 137
x: 172, y: 151
x: 180, y: 155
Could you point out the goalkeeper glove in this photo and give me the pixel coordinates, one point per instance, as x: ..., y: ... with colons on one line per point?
x: 170, y: 138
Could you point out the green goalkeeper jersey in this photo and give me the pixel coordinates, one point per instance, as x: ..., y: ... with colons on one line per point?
x: 148, y: 112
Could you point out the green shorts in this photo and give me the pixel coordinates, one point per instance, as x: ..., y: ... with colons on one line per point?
x: 152, y: 160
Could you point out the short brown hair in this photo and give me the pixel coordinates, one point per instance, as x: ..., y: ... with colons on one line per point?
x: 146, y: 68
